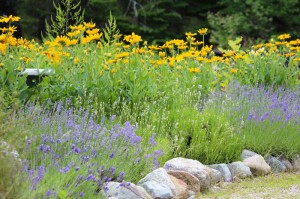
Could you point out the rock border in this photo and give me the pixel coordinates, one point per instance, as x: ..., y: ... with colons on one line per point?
x: 182, y: 178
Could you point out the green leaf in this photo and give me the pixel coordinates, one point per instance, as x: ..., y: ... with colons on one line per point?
x: 235, y: 44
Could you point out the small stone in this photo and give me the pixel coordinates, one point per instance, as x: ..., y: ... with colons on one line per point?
x: 223, y: 168
x: 275, y: 164
x: 286, y: 162
x: 296, y: 163
x: 239, y: 169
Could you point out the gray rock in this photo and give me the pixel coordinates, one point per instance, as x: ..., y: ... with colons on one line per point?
x: 296, y: 163
x: 239, y: 169
x: 258, y: 165
x: 247, y: 154
x: 192, y: 182
x: 286, y: 162
x: 193, y: 167
x: 161, y: 179
x: 124, y: 192
x: 223, y: 168
x: 275, y: 164
x: 158, y: 190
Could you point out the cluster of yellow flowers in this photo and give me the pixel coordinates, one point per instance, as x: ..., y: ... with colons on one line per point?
x: 188, y: 54
x: 284, y: 47
x: 7, y: 38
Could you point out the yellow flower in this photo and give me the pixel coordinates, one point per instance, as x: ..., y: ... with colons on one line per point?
x: 284, y: 36
x: 77, y: 28
x: 295, y: 42
x: 154, y: 47
x: 11, y: 41
x: 122, y: 55
x: 113, y: 70
x: 2, y: 37
x: 258, y: 46
x: 197, y: 43
x: 93, y: 31
x: 125, y: 61
x: 89, y: 25
x: 194, y: 70
x: 11, y: 29
x: 71, y: 42
x: 133, y: 38
x: 61, y: 40
x: 10, y: 18
x: 76, y: 60
x: 162, y: 54
x: 73, y: 33
x: 233, y: 70
x: 189, y: 34
x: 1, y: 65
x: 203, y: 31
x: 289, y: 54
x: 296, y: 59
x: 25, y: 59
x: 182, y: 47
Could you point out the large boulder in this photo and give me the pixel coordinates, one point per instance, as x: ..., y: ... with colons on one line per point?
x: 247, y: 154
x: 192, y: 182
x: 223, y: 168
x: 239, y: 169
x: 257, y: 165
x: 158, y: 184
x: 131, y: 191
x: 193, y: 167
x: 275, y: 164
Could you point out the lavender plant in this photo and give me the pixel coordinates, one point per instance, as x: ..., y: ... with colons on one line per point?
x: 68, y: 154
x: 268, y: 117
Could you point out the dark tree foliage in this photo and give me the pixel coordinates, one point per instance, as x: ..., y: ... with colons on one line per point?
x: 160, y: 20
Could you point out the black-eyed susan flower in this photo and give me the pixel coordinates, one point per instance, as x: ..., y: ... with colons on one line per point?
x: 89, y: 25
x: 133, y: 38
x: 203, y: 31
x: 92, y: 31
x: 8, y: 19
x: 284, y: 36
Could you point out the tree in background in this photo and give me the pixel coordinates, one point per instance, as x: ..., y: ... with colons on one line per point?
x: 160, y: 20
x: 254, y: 20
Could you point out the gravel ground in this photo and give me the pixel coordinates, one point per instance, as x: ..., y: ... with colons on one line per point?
x: 277, y: 186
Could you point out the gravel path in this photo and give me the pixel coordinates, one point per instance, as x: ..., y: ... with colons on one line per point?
x: 277, y: 186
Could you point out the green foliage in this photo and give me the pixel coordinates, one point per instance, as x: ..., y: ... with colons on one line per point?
x: 13, y: 88
x: 12, y: 181
x: 235, y: 44
x: 206, y: 136
x: 67, y: 13
x: 258, y: 20
x: 110, y: 31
